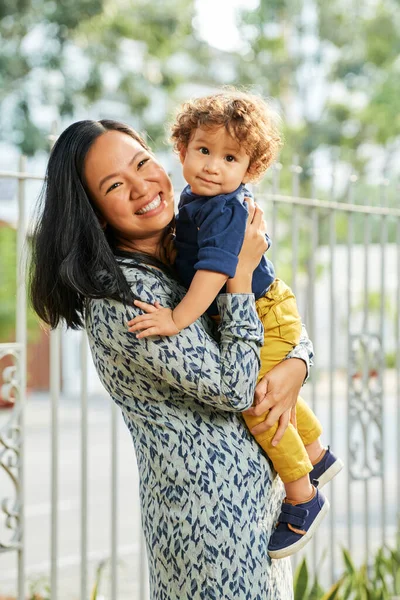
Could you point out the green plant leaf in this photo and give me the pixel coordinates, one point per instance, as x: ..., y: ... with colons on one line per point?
x: 350, y: 568
x: 333, y: 592
x: 99, y: 571
x: 301, y: 581
x: 316, y: 591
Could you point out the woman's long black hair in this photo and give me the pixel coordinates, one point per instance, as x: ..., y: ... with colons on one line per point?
x: 73, y: 258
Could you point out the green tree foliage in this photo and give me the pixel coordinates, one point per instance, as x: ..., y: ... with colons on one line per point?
x: 58, y: 57
x: 8, y: 288
x: 8, y: 282
x: 334, y: 68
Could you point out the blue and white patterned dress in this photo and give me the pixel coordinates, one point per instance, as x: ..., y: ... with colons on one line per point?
x: 208, y: 496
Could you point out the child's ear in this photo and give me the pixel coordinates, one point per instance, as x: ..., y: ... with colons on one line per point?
x: 182, y: 154
x: 249, y: 175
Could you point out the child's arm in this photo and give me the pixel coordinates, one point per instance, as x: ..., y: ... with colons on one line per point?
x: 221, y: 227
x: 204, y: 288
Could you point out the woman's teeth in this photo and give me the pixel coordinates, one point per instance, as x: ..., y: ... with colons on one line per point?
x: 153, y: 204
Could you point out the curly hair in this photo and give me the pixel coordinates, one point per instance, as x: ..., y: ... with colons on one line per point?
x: 246, y: 117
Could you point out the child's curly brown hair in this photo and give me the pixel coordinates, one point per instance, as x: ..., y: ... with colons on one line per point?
x: 246, y: 117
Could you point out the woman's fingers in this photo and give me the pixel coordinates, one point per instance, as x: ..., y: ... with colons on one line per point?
x: 272, y: 417
x: 255, y: 211
x: 261, y: 406
x: 260, y: 391
x: 256, y: 220
x: 251, y: 207
x: 258, y: 217
x: 283, y: 423
x: 293, y: 417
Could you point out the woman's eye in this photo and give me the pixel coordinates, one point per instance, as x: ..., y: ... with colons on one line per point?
x: 230, y: 158
x: 142, y: 162
x: 113, y: 187
x: 204, y: 150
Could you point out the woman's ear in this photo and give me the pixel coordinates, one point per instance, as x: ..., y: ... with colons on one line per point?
x: 101, y: 220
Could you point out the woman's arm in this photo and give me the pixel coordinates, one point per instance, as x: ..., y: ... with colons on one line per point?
x: 203, y: 290
x: 222, y: 375
x: 192, y: 362
x: 304, y: 350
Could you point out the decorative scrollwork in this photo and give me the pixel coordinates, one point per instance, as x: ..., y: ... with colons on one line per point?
x: 365, y: 407
x: 10, y: 447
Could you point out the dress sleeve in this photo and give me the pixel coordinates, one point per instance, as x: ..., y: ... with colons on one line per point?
x: 304, y: 350
x: 221, y: 225
x: 221, y: 374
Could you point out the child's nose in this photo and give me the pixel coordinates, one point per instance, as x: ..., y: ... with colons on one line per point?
x: 211, y: 166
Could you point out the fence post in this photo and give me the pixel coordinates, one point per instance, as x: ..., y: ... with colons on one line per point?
x: 21, y: 337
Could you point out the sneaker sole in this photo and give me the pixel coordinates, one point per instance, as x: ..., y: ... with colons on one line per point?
x: 330, y: 473
x: 285, y: 552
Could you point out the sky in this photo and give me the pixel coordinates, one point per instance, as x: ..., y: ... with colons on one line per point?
x: 216, y: 21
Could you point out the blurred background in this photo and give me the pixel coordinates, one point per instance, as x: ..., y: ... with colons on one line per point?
x: 332, y: 70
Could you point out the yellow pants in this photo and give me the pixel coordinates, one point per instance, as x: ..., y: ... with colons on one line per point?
x: 277, y: 311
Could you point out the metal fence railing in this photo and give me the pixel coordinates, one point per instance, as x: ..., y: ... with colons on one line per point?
x: 343, y: 261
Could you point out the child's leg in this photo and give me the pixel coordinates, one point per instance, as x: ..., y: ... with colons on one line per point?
x: 325, y: 464
x: 289, y: 458
x: 282, y: 327
x: 310, y: 430
x: 305, y: 506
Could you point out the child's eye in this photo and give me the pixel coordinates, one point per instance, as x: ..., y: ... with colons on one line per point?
x: 204, y: 150
x: 230, y: 158
x: 113, y: 186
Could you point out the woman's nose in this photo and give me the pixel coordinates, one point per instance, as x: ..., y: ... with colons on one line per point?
x: 139, y: 187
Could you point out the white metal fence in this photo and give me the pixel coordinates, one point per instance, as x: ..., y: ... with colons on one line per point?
x: 345, y: 270
x: 343, y: 261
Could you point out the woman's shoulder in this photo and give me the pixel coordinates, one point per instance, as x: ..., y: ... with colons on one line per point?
x: 147, y: 282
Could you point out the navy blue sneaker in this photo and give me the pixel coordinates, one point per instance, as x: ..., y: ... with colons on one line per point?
x: 326, y: 469
x: 296, y: 525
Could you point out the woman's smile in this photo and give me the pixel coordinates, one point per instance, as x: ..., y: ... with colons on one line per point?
x: 151, y: 207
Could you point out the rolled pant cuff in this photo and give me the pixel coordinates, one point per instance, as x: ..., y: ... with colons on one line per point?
x: 296, y: 474
x: 311, y: 436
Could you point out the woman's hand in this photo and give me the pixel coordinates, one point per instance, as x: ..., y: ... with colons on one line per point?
x: 254, y: 243
x: 277, y: 392
x: 253, y: 247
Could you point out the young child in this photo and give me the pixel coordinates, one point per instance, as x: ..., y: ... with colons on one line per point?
x: 224, y: 141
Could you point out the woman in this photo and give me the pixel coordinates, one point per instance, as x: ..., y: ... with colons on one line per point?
x: 100, y: 257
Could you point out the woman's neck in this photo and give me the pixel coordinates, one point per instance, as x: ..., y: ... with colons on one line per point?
x: 147, y: 246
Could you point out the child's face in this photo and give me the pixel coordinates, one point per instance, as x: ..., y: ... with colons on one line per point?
x: 213, y: 162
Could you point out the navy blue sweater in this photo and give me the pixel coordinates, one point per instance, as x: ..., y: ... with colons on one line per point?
x: 209, y: 236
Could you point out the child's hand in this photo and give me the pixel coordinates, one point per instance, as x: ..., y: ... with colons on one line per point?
x: 156, y: 321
